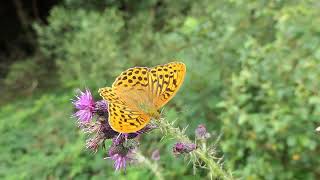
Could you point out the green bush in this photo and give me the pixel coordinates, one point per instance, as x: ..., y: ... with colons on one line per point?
x: 252, y: 75
x: 22, y: 75
x: 84, y: 45
x: 272, y: 105
x: 26, y: 76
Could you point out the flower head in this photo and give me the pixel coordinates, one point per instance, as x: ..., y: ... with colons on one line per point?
x: 155, y: 155
x: 85, y: 106
x: 201, y: 132
x: 180, y: 148
x: 120, y: 153
x: 109, y: 133
x: 117, y: 140
x: 101, y: 108
x: 120, y: 160
x: 93, y: 143
x: 97, y: 132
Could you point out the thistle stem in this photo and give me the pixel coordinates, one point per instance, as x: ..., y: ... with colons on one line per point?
x: 215, y: 169
x: 152, y: 166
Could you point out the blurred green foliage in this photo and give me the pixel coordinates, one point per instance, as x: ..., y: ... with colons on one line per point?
x: 253, y: 70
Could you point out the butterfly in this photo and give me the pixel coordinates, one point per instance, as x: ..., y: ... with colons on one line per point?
x: 138, y: 93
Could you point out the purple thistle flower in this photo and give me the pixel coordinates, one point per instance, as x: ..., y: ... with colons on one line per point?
x: 101, y: 108
x: 155, y: 155
x: 118, y: 140
x: 201, y: 132
x: 180, y: 148
x: 120, y: 154
x: 95, y: 129
x: 100, y: 131
x: 120, y: 160
x: 94, y: 143
x: 85, y: 105
x: 109, y: 133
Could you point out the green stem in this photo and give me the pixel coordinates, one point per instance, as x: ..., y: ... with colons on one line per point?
x: 152, y: 166
x: 214, y: 168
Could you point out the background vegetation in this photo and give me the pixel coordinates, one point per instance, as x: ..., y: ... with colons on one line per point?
x: 253, y: 76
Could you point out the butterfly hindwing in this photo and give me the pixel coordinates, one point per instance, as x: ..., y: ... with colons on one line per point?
x: 122, y: 118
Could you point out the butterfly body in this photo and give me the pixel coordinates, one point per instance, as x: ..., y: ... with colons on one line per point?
x: 138, y: 93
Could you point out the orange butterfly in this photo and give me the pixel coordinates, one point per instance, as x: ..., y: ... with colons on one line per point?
x: 138, y: 93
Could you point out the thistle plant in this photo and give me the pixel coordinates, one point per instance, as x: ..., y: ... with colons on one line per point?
x: 93, y: 117
x: 198, y: 151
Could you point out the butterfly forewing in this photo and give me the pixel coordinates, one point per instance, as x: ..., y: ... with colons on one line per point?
x: 165, y: 81
x: 133, y: 86
x: 133, y: 78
